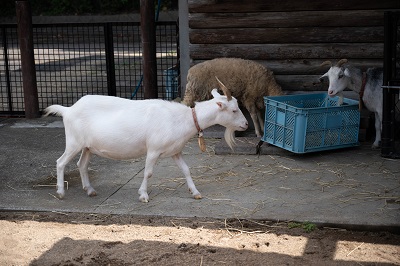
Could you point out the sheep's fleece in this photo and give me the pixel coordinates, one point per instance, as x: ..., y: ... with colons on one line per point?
x: 247, y: 80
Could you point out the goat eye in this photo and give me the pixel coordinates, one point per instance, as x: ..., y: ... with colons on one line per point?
x: 340, y: 75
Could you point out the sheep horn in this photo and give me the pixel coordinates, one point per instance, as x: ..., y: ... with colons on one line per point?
x: 341, y: 62
x: 225, y: 90
x: 326, y: 63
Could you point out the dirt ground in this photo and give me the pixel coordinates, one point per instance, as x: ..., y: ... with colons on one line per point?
x: 28, y: 238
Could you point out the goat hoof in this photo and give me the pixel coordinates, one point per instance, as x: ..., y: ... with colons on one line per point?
x: 60, y: 194
x: 198, y: 196
x: 144, y: 199
x: 375, y: 147
x: 92, y: 193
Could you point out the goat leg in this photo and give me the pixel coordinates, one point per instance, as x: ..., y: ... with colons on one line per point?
x: 151, y: 160
x: 83, y: 165
x: 185, y: 169
x: 378, y: 128
x: 67, y: 156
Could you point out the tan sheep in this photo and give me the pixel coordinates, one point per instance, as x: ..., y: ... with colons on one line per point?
x: 247, y: 80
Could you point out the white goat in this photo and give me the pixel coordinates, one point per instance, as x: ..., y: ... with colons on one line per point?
x: 118, y: 128
x: 367, y: 85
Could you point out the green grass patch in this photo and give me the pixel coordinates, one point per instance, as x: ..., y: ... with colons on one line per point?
x: 306, y: 226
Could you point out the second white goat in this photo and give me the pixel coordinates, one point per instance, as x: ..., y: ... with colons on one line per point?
x: 122, y: 129
x: 367, y: 85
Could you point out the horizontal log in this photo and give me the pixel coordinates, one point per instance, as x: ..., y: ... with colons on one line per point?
x: 301, y: 83
x: 205, y: 6
x: 287, y: 35
x: 310, y: 66
x: 294, y: 84
x: 287, y: 51
x: 354, y: 18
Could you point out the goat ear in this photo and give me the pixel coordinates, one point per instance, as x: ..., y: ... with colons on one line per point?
x: 346, y: 72
x: 321, y: 79
x: 215, y: 93
x: 221, y: 105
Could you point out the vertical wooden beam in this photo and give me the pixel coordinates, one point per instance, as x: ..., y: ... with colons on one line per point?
x: 148, y: 28
x: 110, y: 64
x: 25, y: 38
x: 389, y: 66
x: 184, y: 52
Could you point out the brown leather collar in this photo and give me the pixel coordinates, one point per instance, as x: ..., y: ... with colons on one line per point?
x: 196, y: 123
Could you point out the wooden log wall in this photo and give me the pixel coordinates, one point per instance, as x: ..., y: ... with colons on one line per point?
x: 291, y: 37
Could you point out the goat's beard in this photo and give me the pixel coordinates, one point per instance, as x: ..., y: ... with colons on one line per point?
x: 230, y: 137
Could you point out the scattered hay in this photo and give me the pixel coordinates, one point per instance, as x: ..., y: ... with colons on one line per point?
x: 235, y: 227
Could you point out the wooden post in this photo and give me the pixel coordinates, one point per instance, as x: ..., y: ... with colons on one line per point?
x: 148, y: 28
x: 25, y: 38
x: 184, y: 53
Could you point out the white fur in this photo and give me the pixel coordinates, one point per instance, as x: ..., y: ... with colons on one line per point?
x: 342, y: 77
x: 118, y: 128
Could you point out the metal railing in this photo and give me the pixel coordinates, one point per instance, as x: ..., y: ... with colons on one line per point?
x: 391, y: 87
x: 75, y: 59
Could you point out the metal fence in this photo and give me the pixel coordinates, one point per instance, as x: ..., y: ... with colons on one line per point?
x: 391, y: 87
x: 75, y: 59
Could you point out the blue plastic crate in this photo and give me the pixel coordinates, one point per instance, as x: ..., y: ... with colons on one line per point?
x: 311, y: 122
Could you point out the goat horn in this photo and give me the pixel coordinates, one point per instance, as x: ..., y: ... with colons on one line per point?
x: 326, y: 63
x: 341, y: 62
x: 225, y: 90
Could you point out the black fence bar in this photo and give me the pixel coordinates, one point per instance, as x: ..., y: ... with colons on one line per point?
x: 128, y: 60
x: 71, y: 61
x: 12, y: 72
x: 7, y: 69
x: 109, y: 45
x: 390, y: 143
x: 386, y: 120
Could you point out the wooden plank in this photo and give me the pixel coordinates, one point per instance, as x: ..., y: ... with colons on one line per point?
x: 206, y: 6
x: 309, y: 66
x: 301, y: 83
x: 287, y: 51
x: 304, y: 83
x: 355, y: 18
x: 287, y: 35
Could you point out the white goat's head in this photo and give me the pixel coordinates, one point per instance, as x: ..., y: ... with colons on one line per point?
x: 229, y: 115
x: 339, y: 77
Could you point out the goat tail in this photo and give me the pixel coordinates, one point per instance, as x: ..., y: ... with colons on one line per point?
x: 230, y: 137
x: 56, y: 110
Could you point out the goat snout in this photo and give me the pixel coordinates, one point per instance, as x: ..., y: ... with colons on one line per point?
x: 331, y: 93
x: 245, y: 126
